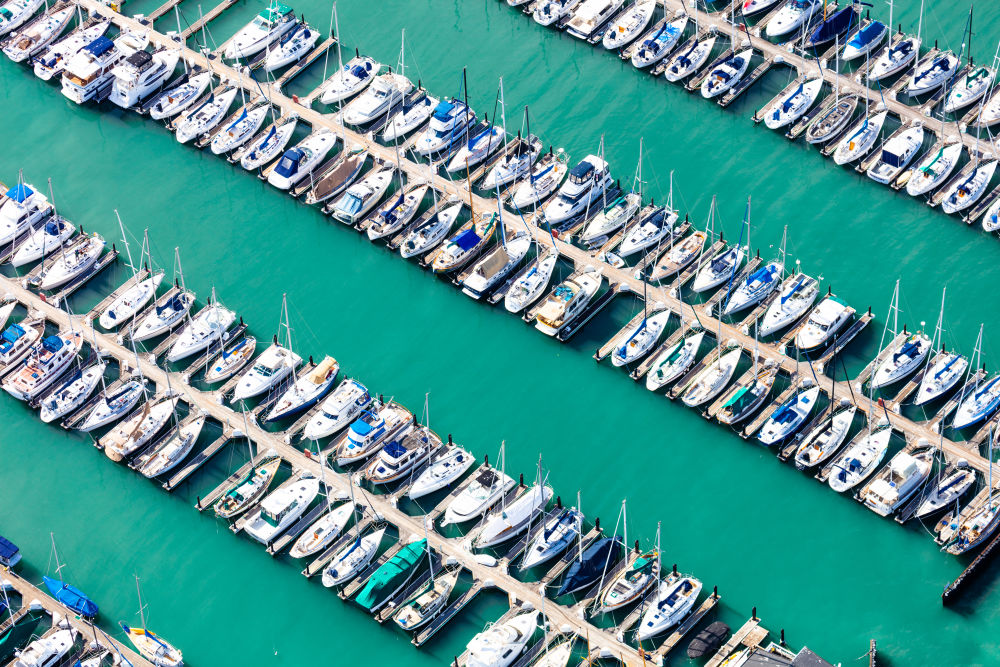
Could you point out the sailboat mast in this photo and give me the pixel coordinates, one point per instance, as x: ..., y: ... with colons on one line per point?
x: 920, y: 22
x: 142, y: 611
x: 128, y: 251
x: 579, y: 532
x: 340, y: 61
x: 180, y: 270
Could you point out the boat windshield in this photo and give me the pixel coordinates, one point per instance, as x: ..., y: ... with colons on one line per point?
x: 352, y: 203
x: 264, y: 371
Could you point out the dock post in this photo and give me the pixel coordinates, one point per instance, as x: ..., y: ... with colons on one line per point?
x: 198, y: 504
x: 753, y: 614
x: 782, y: 636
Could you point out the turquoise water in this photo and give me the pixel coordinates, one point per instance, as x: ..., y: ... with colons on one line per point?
x: 828, y: 571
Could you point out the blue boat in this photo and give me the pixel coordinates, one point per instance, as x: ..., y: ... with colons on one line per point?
x: 10, y: 555
x: 835, y: 26
x: 587, y: 569
x: 71, y: 597
x: 865, y: 41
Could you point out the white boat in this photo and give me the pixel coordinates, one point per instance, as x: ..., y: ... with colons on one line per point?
x: 140, y: 75
x: 789, y: 417
x: 677, y: 257
x: 515, y: 163
x: 726, y: 75
x: 554, y: 537
x: 48, y: 237
x: 113, y: 405
x: 479, y: 495
x: 202, y: 119
x: 744, y: 398
x: 567, y: 301
x: 338, y: 410
x: 130, y: 302
x: 751, y: 7
x: 824, y: 322
x: 21, y: 209
x: 794, y: 105
x: 245, y: 492
x: 894, y: 59
x: 587, y: 183
x: 467, y: 242
x: 859, y: 459
x: 299, y: 161
x: 267, y: 147
x: 627, y: 26
x: 897, y: 153
x: 976, y: 529
x: 427, y: 602
x: 864, y: 41
x: 934, y: 169
x: 37, y: 35
x: 292, y: 47
x: 792, y: 16
x: 825, y: 439
x: 969, y: 89
x: 89, y: 75
x: 305, y: 391
x: 674, y: 361
x: 614, y: 216
x: 401, y: 456
x: 710, y: 382
x: 43, y: 366
x: 513, y: 519
x: 548, y: 12
x: 640, y: 338
x: 447, y: 129
x: 73, y: 261
x: 443, y: 471
x: 431, y: 230
x: 989, y: 112
x: 991, y: 219
x: 48, y: 650
x: 500, y: 645
x: 532, y: 283
x: 943, y: 373
x: 18, y: 339
x: 163, y: 317
x: 271, y: 367
x: 410, y: 117
x: 357, y: 74
x: 281, y: 508
x: 633, y: 583
x: 860, y: 138
x: 323, y: 531
x: 397, y: 212
x: 904, y: 360
x: 689, y: 58
x: 150, y: 646
x: 970, y: 189
x: 385, y: 93
x: 209, y: 326
x: 362, y: 197
x: 229, y: 362
x: 591, y: 15
x: 72, y: 393
x: 238, y: 132
x: 979, y: 404
x: 52, y: 61
x: 132, y: 434
x: 931, y: 73
x: 946, y: 491
x: 831, y: 118
x: 658, y: 42
x: 333, y: 180
x: 496, y: 265
x: 673, y: 601
x: 371, y: 430
x: 350, y: 560
x: 898, y: 481
x: 547, y: 174
x: 556, y: 656
x: 754, y: 288
x: 479, y: 146
x: 648, y: 231
x: 179, y: 97
x: 14, y: 13
x: 174, y: 449
x: 721, y: 269
x: 269, y: 26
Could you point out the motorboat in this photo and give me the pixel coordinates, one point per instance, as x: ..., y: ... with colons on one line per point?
x: 386, y: 93
x: 549, y: 12
x: 399, y: 457
x: 357, y: 74
x: 547, y: 174
x: 273, y: 365
x: 442, y: 471
x: 427, y: 602
x: 333, y: 181
x: 792, y: 16
x: 898, y: 481
x: 323, y: 531
x: 943, y: 373
x: 178, y: 97
x: 499, y: 645
x: 824, y: 322
x: 305, y: 391
x: 894, y: 59
x: 292, y: 47
x: 859, y: 459
x: 904, y: 360
x: 531, y: 283
x: 281, y: 508
x: 969, y: 89
x: 15, y: 13
x: 18, y: 340
x: 238, y: 132
x: 591, y: 15
x: 43, y: 366
x: 247, y: 490
x: 591, y: 563
x: 141, y: 74
x: 967, y: 191
x: 165, y: 315
x: 720, y: 269
x: 860, y: 139
x: 831, y: 119
x: 413, y: 114
x: 789, y: 108
x: 931, y: 73
x: 134, y: 433
x: 202, y: 119
x: 658, y: 42
x: 627, y: 26
x: 864, y: 41
x: 689, y: 58
x: 751, y: 7
x: 89, y: 75
x: 299, y: 161
x: 726, y: 74
x: 54, y: 58
x: 632, y: 584
x: 678, y: 256
x: 395, y: 214
x: 49, y: 236
x: 640, y: 338
x: 978, y: 404
x: 72, y: 262
x: 431, y: 230
x: 485, y: 489
x: 371, y: 430
x: 392, y: 575
x: 463, y: 245
x: 710, y: 382
x: 447, y: 129
x: 20, y: 210
x: 231, y: 361
x: 268, y: 27
x: 72, y: 392
x: 514, y: 518
x: 672, y: 602
x: 515, y: 163
x: 897, y: 153
x: 338, y: 410
x: 588, y: 181
x: 991, y: 219
x: 754, y: 288
x: 651, y: 228
x: 490, y: 270
x: 555, y: 536
x: 53, y: 647
x: 353, y: 558
x: 479, y: 146
x: 673, y: 362
x: 976, y: 529
x: 169, y: 453
x: 362, y: 197
x: 37, y: 35
x: 267, y: 146
x: 934, y: 169
x: 789, y: 417
x: 113, y: 405
x: 745, y: 398
x: 567, y: 301
x: 206, y: 328
x: 946, y: 491
x: 832, y: 27
x: 823, y: 440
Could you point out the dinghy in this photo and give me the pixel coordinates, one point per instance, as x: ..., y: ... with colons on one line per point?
x: 825, y: 321
x: 174, y: 449
x: 794, y: 105
x: 567, y: 301
x: 305, y: 391
x: 673, y: 362
x: 431, y: 230
x: 72, y: 392
x: 74, y: 261
x: 264, y: 149
x: 969, y: 89
x: 532, y: 283
x: 203, y: 118
x: 339, y: 409
x: 941, y: 376
x: 397, y: 212
x: 443, y: 471
x: 933, y: 72
x: 513, y: 519
x: 788, y: 418
x: 206, y: 328
x: 896, y: 155
x: 386, y: 93
x: 357, y: 74
x: 648, y: 231
x: 640, y: 338
x: 499, y: 645
x: 627, y: 26
x: 130, y: 302
x: 970, y: 189
x: 410, y: 117
x: 710, y: 382
x: 113, y: 405
x: 678, y: 257
x: 978, y: 405
x: 353, y: 558
x: 496, y: 265
x: 231, y: 361
x: 362, y: 197
x: 904, y: 360
x: 792, y: 16
x: 240, y: 130
x: 824, y: 439
x: 726, y: 75
x: 43, y: 366
x: 898, y: 481
x: 268, y: 27
x: 658, y: 42
x: 48, y: 237
x: 555, y: 536
x: 176, y: 99
x: 132, y: 434
x: 486, y: 489
x: 934, y: 169
x: 864, y: 41
x: 689, y: 58
x: 673, y: 601
x: 280, y: 509
x: 292, y: 47
x: 323, y: 531
x: 948, y: 489
x: 860, y: 138
x: 859, y: 459
x: 245, y: 493
x: 298, y: 162
x: 754, y: 288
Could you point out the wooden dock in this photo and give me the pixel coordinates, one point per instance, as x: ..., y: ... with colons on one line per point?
x: 212, y: 14
x: 686, y: 627
x: 750, y: 635
x: 193, y: 464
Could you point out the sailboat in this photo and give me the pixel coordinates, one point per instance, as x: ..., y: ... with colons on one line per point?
x: 725, y: 265
x: 674, y: 600
x: 500, y: 645
x: 72, y: 393
x: 859, y: 459
x: 894, y: 59
x: 966, y: 192
x: 788, y: 418
x: 305, y: 391
x: 175, y: 447
x: 710, y: 382
x: 249, y: 489
x: 350, y: 560
x: 49, y: 236
x: 641, y: 337
x: 132, y: 434
x: 323, y: 531
x: 392, y: 575
x: 68, y: 595
x: 483, y: 491
x: 442, y: 471
x: 673, y: 362
x: 427, y: 602
x: 944, y: 370
x: 532, y: 283
x: 823, y: 441
x: 794, y: 105
x: 177, y: 98
x: 590, y: 564
x: 633, y: 583
x: 151, y: 646
x: 513, y: 519
x: 274, y: 364
x: 947, y: 490
x: 627, y: 26
x: 860, y: 139
x: 554, y: 537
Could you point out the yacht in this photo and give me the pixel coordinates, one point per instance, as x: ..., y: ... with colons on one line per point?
x: 323, y: 531
x: 427, y: 602
x: 90, y: 73
x: 678, y: 257
x: 658, y: 42
x: 357, y: 74
x: 132, y: 434
x: 977, y: 528
x: 206, y: 328
x: 632, y: 584
x: 745, y: 398
x: 350, y: 560
x: 673, y: 601
x: 130, y: 302
x: 202, y: 119
x: 165, y: 315
x: 948, y: 489
x: 37, y: 35
x: 479, y: 495
x: 614, y: 216
x: 824, y: 322
x: 904, y: 360
x: 515, y: 163
x: 590, y: 565
x: 178, y: 97
x: 362, y: 197
x: 500, y: 645
x: 823, y: 440
x: 627, y: 26
x: 726, y: 75
x: 48, y: 237
x: 387, y: 92
x: 967, y: 191
x: 792, y: 16
x: 292, y: 47
x: 395, y: 214
x: 859, y: 459
x: 49, y: 650
x: 273, y: 365
x: 281, y: 508
x: 860, y: 139
x: 443, y: 470
x: 299, y: 162
x: 591, y: 15
x: 751, y: 7
x: 673, y: 362
x: 897, y: 482
x: 640, y: 338
x: 247, y: 490
x: 864, y: 41
x: 933, y: 72
x: 463, y: 245
x: 689, y: 58
x: 230, y: 361
x: 371, y: 430
x: 978, y: 404
x: 941, y: 376
x: 45, y: 363
x: 567, y: 301
x: 754, y: 288
x: 547, y: 174
x: 53, y: 60
x: 896, y: 155
x: 169, y: 453
x: 17, y: 340
x: 72, y: 262
x: 788, y: 418
x: 449, y: 123
x: 269, y: 26
x: 531, y: 283
x: 934, y: 169
x: 20, y: 210
x: 479, y: 146
x: 722, y: 268
x: 413, y: 114
x: 15, y: 13
x: 989, y: 111
x: 72, y: 392
x: 265, y: 148
x: 113, y: 405
x: 346, y: 168
x: 555, y: 536
x: 305, y: 391
x: 831, y: 119
x: 649, y: 231
x: 710, y: 382
x: 431, y: 229
x: 496, y: 265
x: 401, y: 456
x: 511, y: 520
x: 588, y: 181
x: 794, y: 105
x: 549, y: 12
x: 140, y: 75
x: 969, y: 89
x: 338, y: 410
x: 240, y: 130
x: 150, y: 646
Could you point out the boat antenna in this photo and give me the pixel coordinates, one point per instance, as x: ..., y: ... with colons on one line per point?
x: 894, y: 309
x: 179, y: 272
x: 177, y: 15
x: 465, y: 96
x: 781, y: 251
x: 285, y: 321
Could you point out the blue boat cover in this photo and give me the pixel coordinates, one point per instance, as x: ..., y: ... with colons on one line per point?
x: 443, y: 110
x: 586, y: 570
x: 99, y: 46
x: 867, y: 34
x: 361, y: 425
x: 71, y: 597
x: 53, y: 228
x: 833, y: 26
x: 581, y: 170
x: 7, y: 549
x: 20, y: 192
x: 174, y: 304
x: 52, y: 343
x: 395, y: 449
x: 467, y: 239
x: 13, y: 332
x: 289, y: 163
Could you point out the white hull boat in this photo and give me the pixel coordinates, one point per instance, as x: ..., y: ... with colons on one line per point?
x: 202, y: 119
x: 710, y: 382
x: 305, y: 391
x: 726, y: 75
x: 229, y: 362
x: 112, y: 406
x: 824, y: 440
x: 903, y: 361
x: 298, y: 162
x: 969, y: 190
x: 792, y: 16
x: 721, y: 269
x: 164, y: 317
x: 587, y: 183
x: 512, y: 520
x: 496, y: 265
x: 567, y: 302
x: 273, y: 365
x: 53, y: 59
x: 941, y: 376
x: 979, y: 404
x: 46, y: 239
x: 176, y: 99
x: 689, y: 58
x: 859, y: 459
x: 362, y: 197
x: 37, y: 35
x: 353, y: 558
x: 240, y: 130
x: 269, y: 26
x: 934, y: 170
x: 385, y: 94
x: 71, y: 263
x: 426, y: 235
x: 207, y: 327
x: 860, y: 139
x: 267, y: 147
x: 650, y: 230
x: 443, y: 471
x: 824, y: 322
x: 794, y: 105
x: 658, y: 42
x: 641, y: 338
x: 932, y: 73
x: 898, y: 481
x: 130, y: 302
x: 897, y: 153
x: 894, y: 59
x: 291, y: 48
x: 500, y: 645
x: 672, y: 363
x: 397, y: 212
x: 140, y: 75
x: 480, y: 494
x: 755, y: 288
x: 615, y: 216
x: 280, y: 509
x: 532, y: 284
x: 410, y: 117
x: 629, y: 25
x: 174, y: 449
x: 72, y: 393
x: 788, y: 418
x: 673, y: 601
x: 554, y: 538
x: 338, y: 410
x: 323, y: 531
x: 543, y: 180
x: 132, y: 434
x: 357, y: 74
x: 969, y: 89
